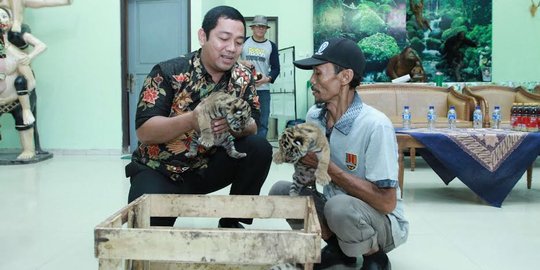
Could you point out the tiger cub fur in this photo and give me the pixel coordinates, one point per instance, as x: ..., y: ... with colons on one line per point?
x: 295, y: 142
x: 218, y: 105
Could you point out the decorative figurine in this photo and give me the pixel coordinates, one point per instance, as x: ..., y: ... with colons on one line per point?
x: 17, y: 94
x: 534, y: 8
x: 453, y: 55
x: 407, y: 62
x: 417, y: 9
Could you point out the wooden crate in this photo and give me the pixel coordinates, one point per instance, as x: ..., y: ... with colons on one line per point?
x: 126, y: 241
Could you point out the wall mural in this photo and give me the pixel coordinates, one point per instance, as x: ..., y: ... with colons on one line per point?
x: 421, y: 37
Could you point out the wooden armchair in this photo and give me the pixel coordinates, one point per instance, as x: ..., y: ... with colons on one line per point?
x: 489, y: 96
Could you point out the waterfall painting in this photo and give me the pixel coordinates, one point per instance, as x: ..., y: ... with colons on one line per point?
x: 450, y: 36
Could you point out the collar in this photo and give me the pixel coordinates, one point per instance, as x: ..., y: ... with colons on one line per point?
x: 200, y: 71
x: 346, y: 121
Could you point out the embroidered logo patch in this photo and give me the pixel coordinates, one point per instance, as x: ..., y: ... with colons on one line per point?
x: 351, y: 161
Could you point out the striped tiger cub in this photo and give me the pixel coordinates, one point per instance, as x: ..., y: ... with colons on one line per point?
x: 295, y: 142
x: 220, y: 105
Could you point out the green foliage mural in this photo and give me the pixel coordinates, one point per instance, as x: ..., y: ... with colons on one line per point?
x: 378, y: 27
x: 460, y: 57
x: 382, y: 28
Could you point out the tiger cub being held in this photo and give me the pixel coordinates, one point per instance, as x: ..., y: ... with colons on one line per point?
x: 295, y: 142
x: 220, y: 105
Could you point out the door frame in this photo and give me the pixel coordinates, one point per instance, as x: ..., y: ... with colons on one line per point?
x: 124, y: 35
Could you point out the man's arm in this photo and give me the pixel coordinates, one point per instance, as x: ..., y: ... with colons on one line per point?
x: 152, y: 121
x: 162, y: 129
x: 274, y: 64
x: 382, y: 199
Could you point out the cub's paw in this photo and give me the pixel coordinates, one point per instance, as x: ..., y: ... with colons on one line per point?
x: 323, y: 178
x: 206, y: 142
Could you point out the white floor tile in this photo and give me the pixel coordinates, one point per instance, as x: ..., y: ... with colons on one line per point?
x: 49, y: 211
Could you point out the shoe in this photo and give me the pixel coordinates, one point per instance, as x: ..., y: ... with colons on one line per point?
x: 228, y: 223
x: 376, y: 261
x: 332, y: 255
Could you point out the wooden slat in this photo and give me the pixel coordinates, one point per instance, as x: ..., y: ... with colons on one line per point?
x: 183, y: 266
x: 208, y: 245
x: 237, y: 206
x: 108, y: 264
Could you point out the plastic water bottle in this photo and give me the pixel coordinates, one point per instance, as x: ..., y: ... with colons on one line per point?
x: 431, y: 117
x: 477, y: 118
x: 406, y: 117
x: 496, y: 118
x: 452, y: 116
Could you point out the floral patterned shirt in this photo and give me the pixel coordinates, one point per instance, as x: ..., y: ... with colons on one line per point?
x: 175, y: 87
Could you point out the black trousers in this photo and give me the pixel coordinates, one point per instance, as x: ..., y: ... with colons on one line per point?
x: 246, y: 176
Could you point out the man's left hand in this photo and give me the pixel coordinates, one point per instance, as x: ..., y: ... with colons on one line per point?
x: 310, y: 159
x: 263, y: 80
x: 219, y: 126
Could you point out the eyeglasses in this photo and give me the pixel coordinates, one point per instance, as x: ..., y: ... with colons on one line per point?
x: 260, y: 26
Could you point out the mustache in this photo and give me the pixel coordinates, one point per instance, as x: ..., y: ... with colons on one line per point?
x: 314, y: 89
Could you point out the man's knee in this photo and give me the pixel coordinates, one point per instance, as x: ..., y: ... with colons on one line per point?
x: 337, y: 209
x: 280, y: 188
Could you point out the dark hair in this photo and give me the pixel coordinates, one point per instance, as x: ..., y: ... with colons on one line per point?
x: 354, y: 82
x: 213, y: 15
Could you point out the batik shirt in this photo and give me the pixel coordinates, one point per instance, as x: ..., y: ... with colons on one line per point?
x: 175, y: 87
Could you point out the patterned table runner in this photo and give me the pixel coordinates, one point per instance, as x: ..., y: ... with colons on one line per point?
x: 488, y: 161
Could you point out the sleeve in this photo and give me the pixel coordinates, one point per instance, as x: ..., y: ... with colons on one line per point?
x: 155, y: 98
x: 253, y: 101
x: 381, y: 156
x: 274, y: 63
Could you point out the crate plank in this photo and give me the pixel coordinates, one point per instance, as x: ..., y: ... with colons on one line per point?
x: 228, y: 206
x: 139, y: 246
x: 204, y: 245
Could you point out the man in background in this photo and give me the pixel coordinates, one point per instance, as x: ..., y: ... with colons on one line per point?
x: 262, y: 54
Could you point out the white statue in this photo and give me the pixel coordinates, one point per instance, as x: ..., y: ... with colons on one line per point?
x: 17, y: 83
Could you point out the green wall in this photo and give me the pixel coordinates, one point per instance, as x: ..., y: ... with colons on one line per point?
x: 79, y: 78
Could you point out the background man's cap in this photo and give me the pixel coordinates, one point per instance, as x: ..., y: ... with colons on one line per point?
x: 340, y: 51
x: 260, y: 20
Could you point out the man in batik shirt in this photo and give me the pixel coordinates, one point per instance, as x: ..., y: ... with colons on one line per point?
x: 166, y: 121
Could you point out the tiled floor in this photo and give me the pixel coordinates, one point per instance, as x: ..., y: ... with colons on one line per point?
x: 49, y: 210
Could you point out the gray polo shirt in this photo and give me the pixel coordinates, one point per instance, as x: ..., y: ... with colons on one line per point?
x: 363, y: 143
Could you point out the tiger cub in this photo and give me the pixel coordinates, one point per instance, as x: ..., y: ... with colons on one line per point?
x: 295, y: 142
x: 217, y: 105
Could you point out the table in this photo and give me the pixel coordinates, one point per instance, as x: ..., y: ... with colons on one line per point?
x: 488, y: 161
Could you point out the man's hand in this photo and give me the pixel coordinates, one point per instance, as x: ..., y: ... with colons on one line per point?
x: 263, y: 80
x: 310, y: 159
x: 219, y: 125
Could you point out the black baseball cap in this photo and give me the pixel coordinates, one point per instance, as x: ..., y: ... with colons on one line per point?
x: 340, y: 51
